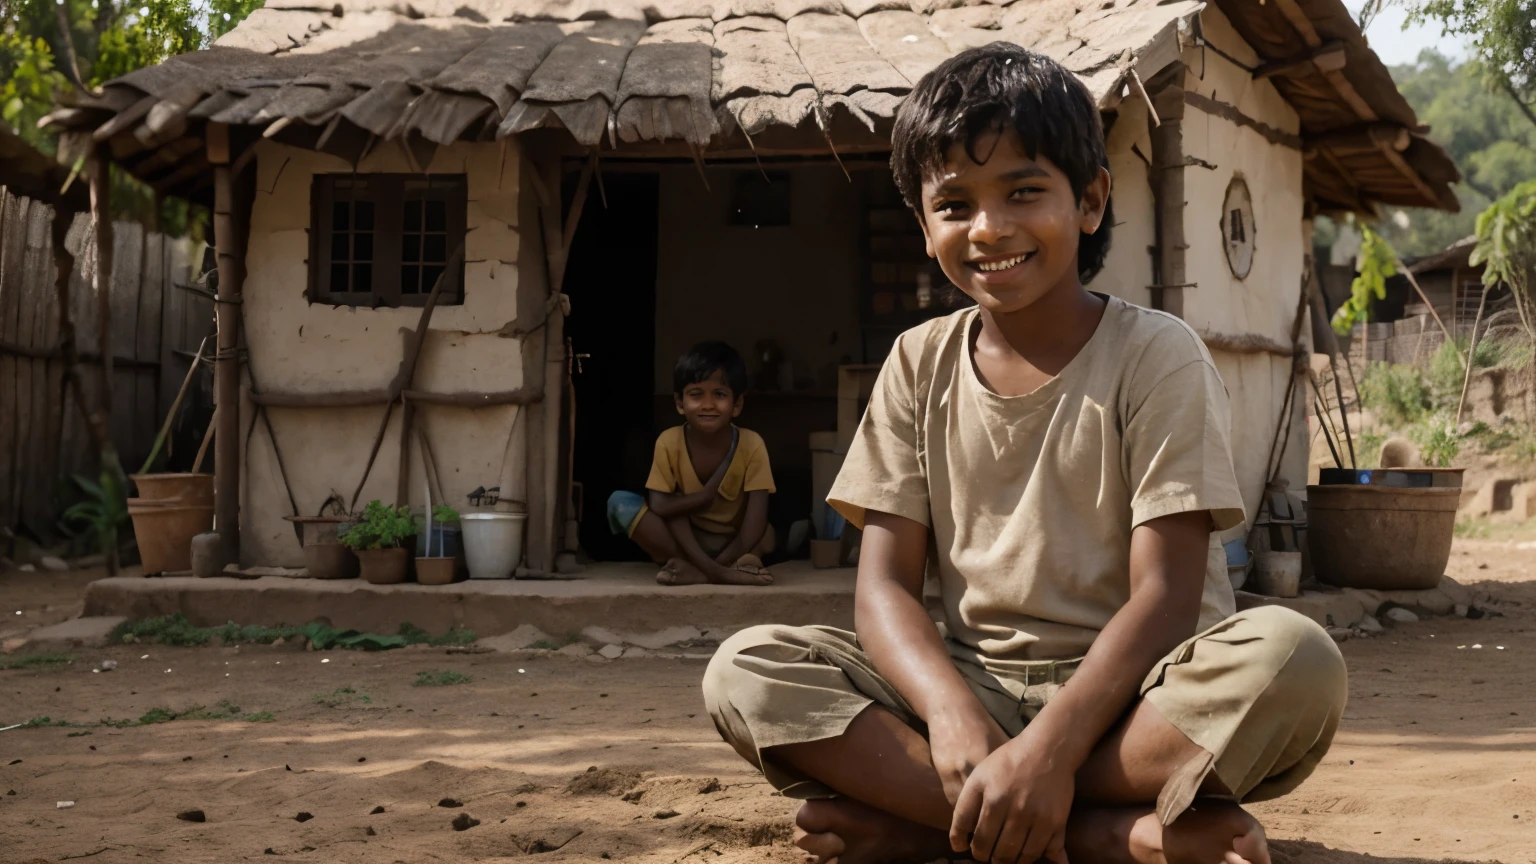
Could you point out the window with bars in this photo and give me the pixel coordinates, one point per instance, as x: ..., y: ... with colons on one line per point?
x: 384, y: 239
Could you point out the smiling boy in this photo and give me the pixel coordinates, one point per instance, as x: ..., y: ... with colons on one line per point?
x: 1062, y: 458
x: 705, y: 514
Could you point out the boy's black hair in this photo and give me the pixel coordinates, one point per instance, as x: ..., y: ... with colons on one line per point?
x: 704, y: 360
x: 991, y: 89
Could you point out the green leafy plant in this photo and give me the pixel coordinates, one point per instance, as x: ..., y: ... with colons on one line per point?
x: 440, y: 678
x: 444, y: 513
x: 99, y: 518
x: 1439, y: 442
x: 1396, y: 394
x: 176, y: 630
x: 1378, y: 263
x: 1506, y: 246
x: 342, y: 696
x: 381, y: 527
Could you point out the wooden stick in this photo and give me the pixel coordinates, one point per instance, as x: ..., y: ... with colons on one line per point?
x: 1325, y: 422
x: 202, y: 449
x: 408, y: 362
x: 1471, y: 353
x: 1338, y: 390
x: 1436, y: 315
x: 403, y: 478
x: 170, y: 416
x: 429, y: 462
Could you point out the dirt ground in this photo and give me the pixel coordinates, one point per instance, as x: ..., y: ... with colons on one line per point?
x: 574, y: 760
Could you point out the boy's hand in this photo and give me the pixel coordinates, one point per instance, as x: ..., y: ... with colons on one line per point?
x: 959, y: 742
x: 1015, y: 805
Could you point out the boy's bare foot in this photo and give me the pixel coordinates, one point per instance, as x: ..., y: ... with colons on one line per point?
x: 845, y: 831
x: 679, y: 571
x: 739, y: 575
x: 1209, y: 832
x: 751, y: 565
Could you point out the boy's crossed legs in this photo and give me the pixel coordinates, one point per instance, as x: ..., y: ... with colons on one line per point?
x: 1261, y: 693
x: 666, y: 544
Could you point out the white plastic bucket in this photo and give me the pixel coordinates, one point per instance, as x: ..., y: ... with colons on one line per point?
x: 493, y: 543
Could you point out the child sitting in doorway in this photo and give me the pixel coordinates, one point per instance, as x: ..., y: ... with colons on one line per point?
x: 1060, y: 460
x: 705, y: 517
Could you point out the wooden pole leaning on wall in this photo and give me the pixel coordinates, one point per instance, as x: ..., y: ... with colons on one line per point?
x: 1168, y: 193
x: 100, y: 420
x: 231, y: 259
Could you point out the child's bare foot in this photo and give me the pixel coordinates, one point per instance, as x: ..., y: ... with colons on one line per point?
x: 845, y: 831
x: 678, y: 571
x: 741, y: 575
x: 751, y: 565
x: 1212, y: 831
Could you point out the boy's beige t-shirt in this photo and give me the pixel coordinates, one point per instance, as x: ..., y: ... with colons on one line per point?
x: 672, y: 471
x: 1031, y: 500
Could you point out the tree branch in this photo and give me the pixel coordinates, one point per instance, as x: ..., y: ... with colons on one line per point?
x: 67, y: 39
x: 1520, y: 103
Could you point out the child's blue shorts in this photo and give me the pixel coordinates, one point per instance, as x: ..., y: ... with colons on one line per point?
x: 623, y: 510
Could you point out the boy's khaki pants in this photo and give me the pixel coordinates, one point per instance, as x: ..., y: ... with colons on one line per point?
x: 1261, y: 693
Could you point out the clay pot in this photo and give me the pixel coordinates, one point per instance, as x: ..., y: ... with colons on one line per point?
x: 384, y: 566
x: 324, y: 556
x: 1380, y: 537
x: 437, y: 571
x: 164, y: 531
x: 189, y: 488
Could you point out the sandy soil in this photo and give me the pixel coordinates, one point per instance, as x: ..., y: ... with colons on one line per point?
x: 1436, y: 760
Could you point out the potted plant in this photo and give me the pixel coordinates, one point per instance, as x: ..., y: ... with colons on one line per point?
x: 378, y: 539
x: 437, y: 558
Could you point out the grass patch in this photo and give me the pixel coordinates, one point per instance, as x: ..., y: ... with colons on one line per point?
x: 176, y: 630
x: 225, y: 710
x: 1472, y: 528
x: 36, y: 661
x: 342, y: 696
x: 78, y: 734
x: 546, y: 645
x: 40, y: 722
x: 440, y: 678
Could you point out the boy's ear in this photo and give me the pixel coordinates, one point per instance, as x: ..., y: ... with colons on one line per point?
x: 736, y: 406
x: 1095, y: 200
x: 678, y: 402
x: 927, y: 240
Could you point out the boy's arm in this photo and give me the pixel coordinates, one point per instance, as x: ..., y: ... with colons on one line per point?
x: 895, y: 630
x: 669, y: 505
x: 1015, y: 805
x: 753, y: 526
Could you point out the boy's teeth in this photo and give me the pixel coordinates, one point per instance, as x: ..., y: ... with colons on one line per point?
x: 992, y: 266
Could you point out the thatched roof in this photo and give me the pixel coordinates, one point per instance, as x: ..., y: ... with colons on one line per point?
x: 26, y: 172
x: 705, y: 74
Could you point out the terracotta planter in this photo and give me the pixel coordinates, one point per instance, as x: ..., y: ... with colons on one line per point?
x: 1380, y: 537
x: 437, y: 571
x: 324, y: 556
x: 189, y: 488
x: 384, y: 566
x: 164, y: 531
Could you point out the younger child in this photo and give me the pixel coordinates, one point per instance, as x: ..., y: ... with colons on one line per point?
x: 705, y: 518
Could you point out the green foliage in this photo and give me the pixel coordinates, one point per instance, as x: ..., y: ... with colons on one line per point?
x: 381, y: 527
x: 1396, y: 394
x: 1471, y: 528
x: 1502, y: 34
x: 1506, y: 246
x: 1368, y: 449
x: 342, y: 696
x: 27, y: 93
x: 444, y: 513
x: 176, y: 630
x: 78, y: 734
x: 224, y: 711
x: 1438, y: 441
x: 38, y: 722
x: 99, y: 516
x: 440, y: 678
x: 1487, y: 134
x: 36, y: 661
x: 1377, y: 264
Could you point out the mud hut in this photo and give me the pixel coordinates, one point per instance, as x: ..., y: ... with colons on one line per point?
x: 626, y: 177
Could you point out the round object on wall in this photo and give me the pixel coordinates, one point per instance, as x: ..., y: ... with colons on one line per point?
x: 1237, y: 227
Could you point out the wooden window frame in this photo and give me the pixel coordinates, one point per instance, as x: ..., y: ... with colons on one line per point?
x: 387, y: 193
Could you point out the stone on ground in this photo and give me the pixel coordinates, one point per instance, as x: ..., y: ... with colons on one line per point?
x: 78, y: 633
x: 53, y: 563
x: 612, y: 652
x: 1369, y: 624
x: 1401, y: 616
x: 524, y: 636
x: 576, y: 649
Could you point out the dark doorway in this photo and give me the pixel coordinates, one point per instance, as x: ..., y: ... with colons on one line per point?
x: 611, y: 278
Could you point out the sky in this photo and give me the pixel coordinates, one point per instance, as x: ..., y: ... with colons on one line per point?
x: 1396, y: 46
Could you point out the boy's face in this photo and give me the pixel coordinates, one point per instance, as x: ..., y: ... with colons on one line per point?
x: 1006, y: 231
x: 709, y: 405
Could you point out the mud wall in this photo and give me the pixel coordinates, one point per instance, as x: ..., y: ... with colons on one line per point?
x: 301, y: 347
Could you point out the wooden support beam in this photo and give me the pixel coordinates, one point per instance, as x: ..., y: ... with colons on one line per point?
x: 1363, y: 139
x: 124, y: 120
x: 1392, y: 155
x: 1300, y: 22
x: 366, y: 398
x: 231, y: 263
x: 1330, y: 53
x: 1230, y: 113
x: 1168, y: 166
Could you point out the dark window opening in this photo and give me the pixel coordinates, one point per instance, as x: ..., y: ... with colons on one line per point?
x: 1237, y: 233
x: 384, y: 239
x: 759, y: 201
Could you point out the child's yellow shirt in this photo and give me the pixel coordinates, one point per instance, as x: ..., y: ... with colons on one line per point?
x: 672, y: 471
